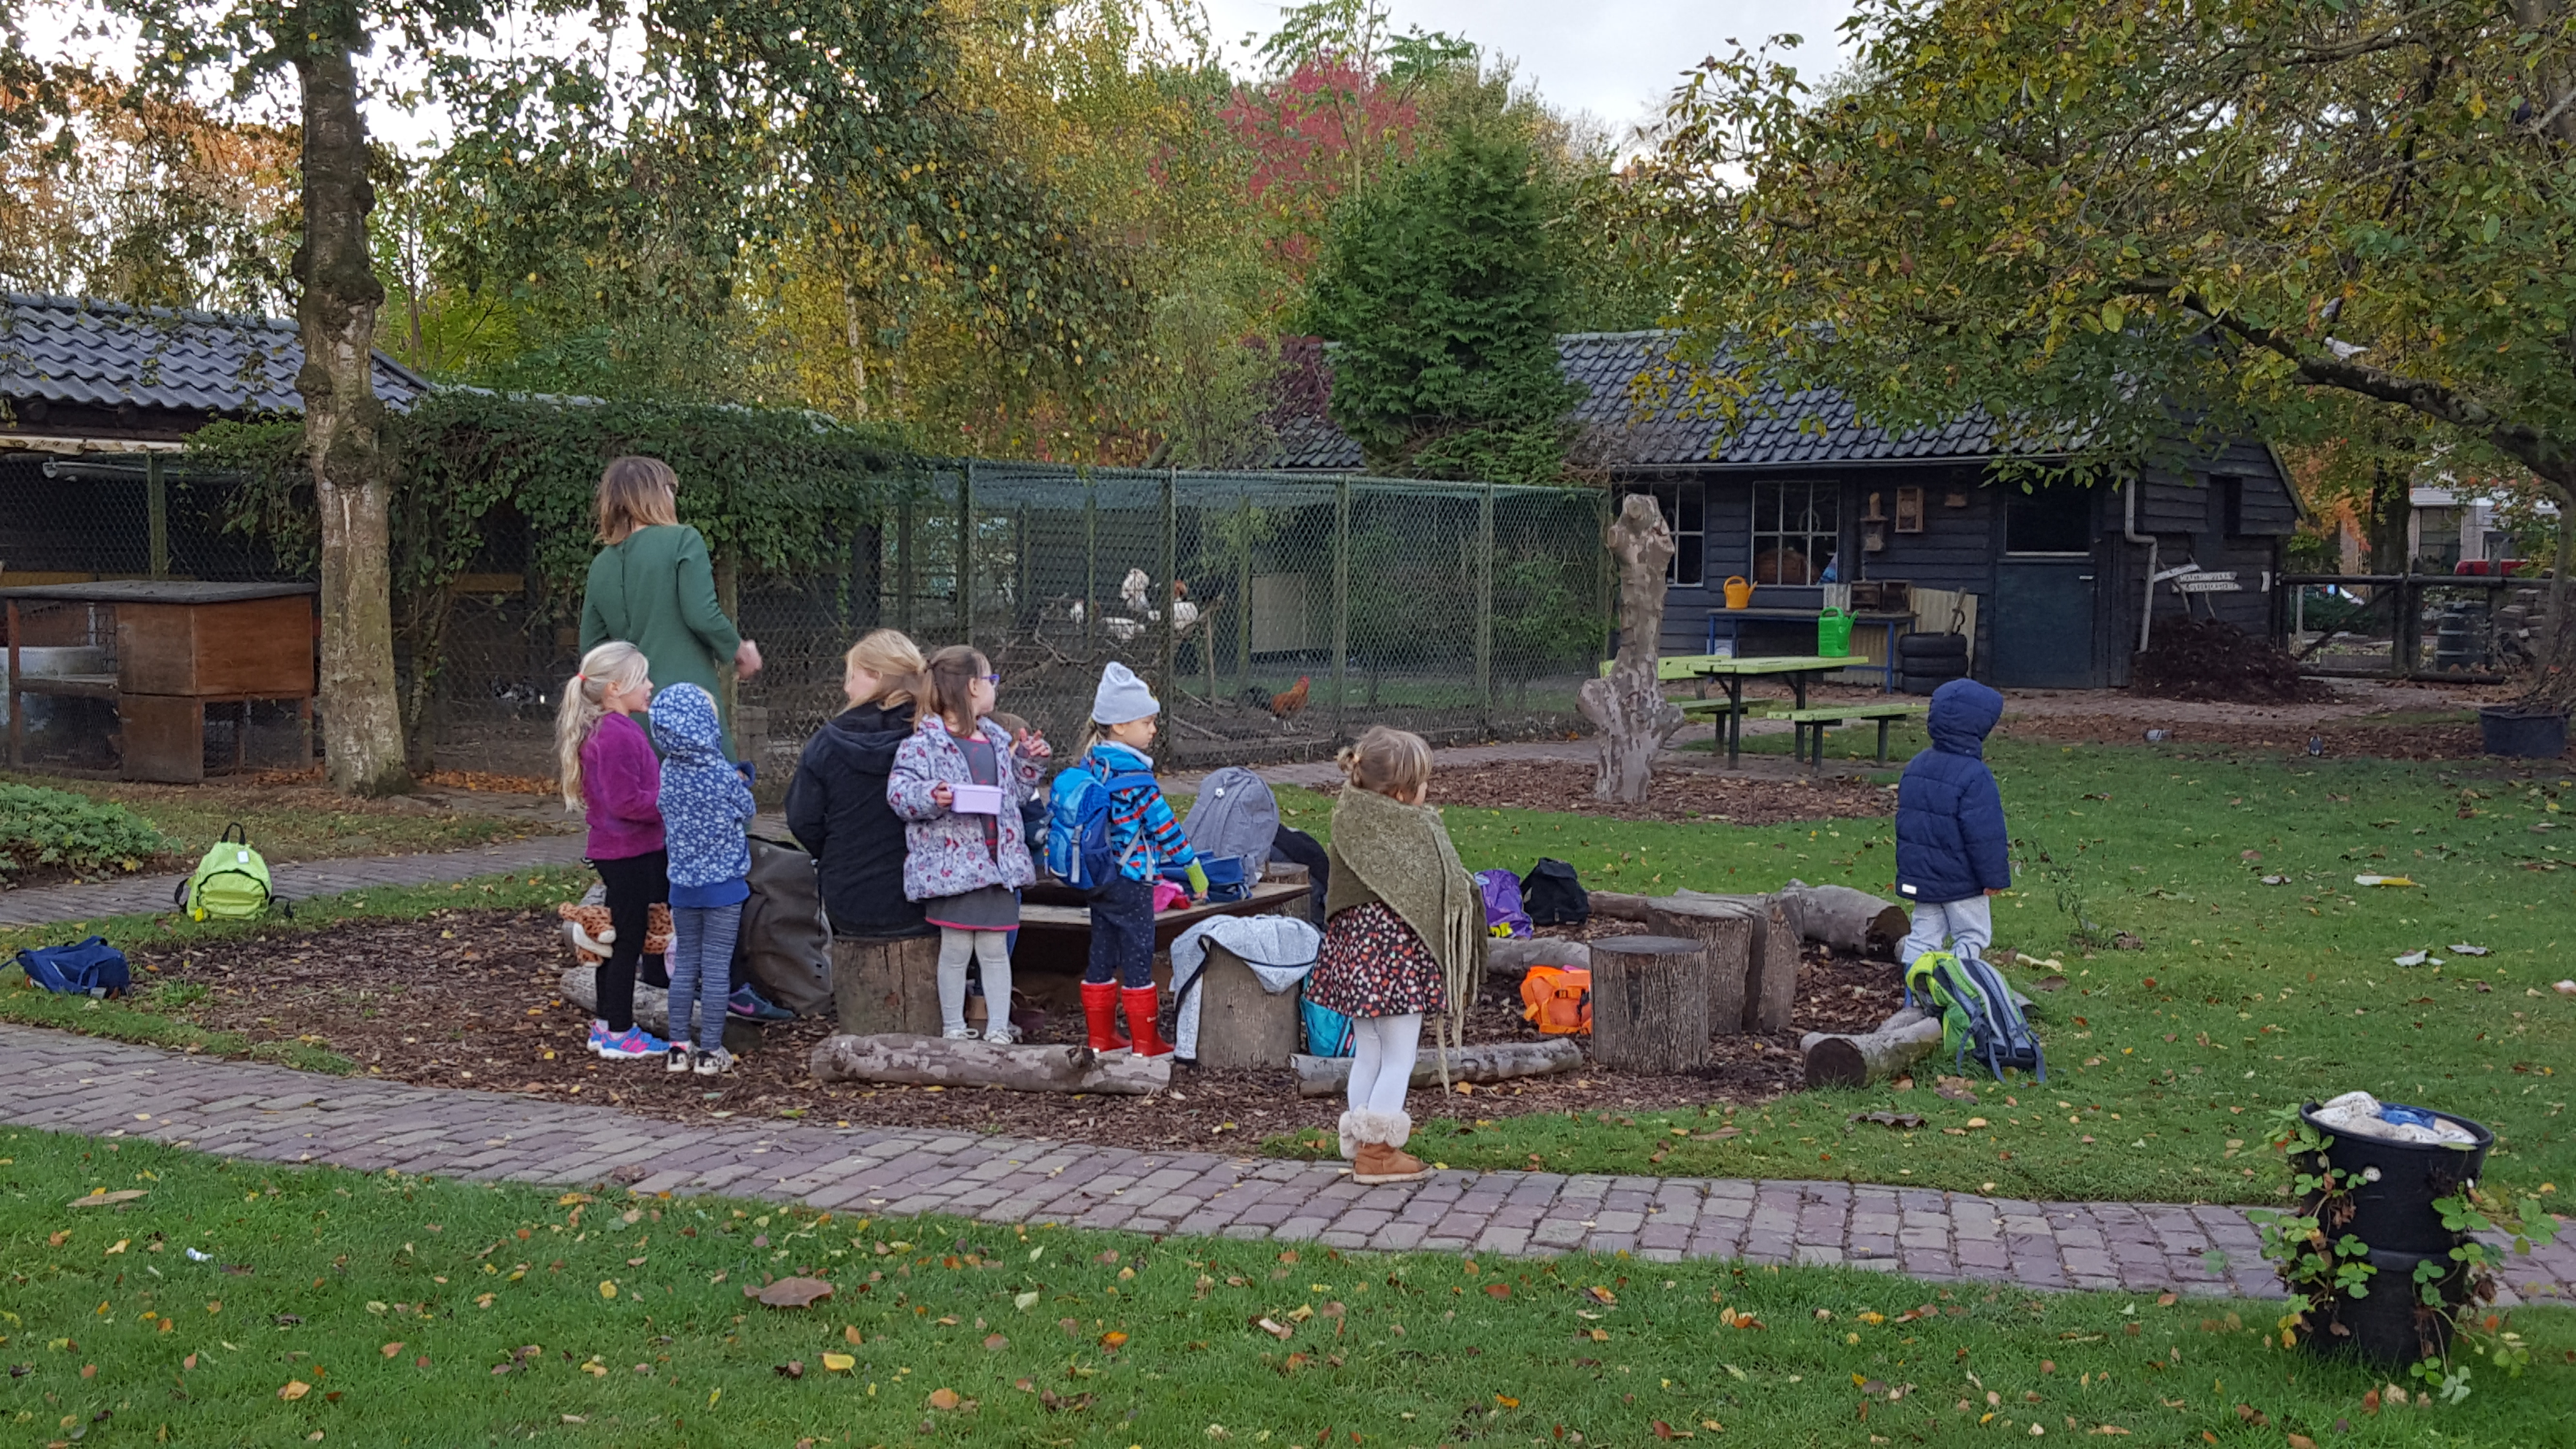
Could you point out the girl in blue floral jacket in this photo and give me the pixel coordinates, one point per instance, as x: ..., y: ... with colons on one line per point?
x: 966, y: 867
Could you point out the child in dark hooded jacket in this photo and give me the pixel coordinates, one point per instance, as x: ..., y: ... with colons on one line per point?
x: 1952, y: 849
x: 705, y: 804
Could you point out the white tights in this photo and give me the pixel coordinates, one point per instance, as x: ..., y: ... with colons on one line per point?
x: 1383, y: 1049
x: 992, y: 948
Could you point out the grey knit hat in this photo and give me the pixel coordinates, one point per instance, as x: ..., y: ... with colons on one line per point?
x: 1122, y: 697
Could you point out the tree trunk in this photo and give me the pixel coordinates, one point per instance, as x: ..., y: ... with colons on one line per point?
x: 1628, y: 706
x: 1494, y: 1062
x: 1724, y: 930
x: 1770, y: 961
x: 335, y: 311
x: 1649, y: 1003
x: 937, y: 1062
x: 1858, y: 1060
x: 1845, y: 919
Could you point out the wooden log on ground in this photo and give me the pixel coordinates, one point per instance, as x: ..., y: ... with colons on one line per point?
x: 1621, y: 907
x: 886, y: 984
x: 932, y: 1061
x: 1858, y: 1060
x: 1650, y: 1003
x: 580, y: 986
x: 1771, y: 970
x: 1846, y: 919
x: 1508, y: 959
x: 1490, y: 1062
x: 1724, y: 928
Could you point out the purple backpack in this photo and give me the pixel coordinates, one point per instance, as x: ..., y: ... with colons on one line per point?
x: 1502, y: 892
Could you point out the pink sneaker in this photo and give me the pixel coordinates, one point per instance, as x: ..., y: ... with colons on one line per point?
x: 631, y: 1045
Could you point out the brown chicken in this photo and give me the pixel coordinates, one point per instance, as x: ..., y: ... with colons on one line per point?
x: 1288, y: 701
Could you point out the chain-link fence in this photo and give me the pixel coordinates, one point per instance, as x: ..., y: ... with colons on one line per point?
x: 1274, y: 614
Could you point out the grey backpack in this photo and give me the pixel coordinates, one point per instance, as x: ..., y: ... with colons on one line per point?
x: 785, y: 944
x: 1234, y: 816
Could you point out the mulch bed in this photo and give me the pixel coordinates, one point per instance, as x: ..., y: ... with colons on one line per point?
x: 468, y: 999
x: 1674, y: 794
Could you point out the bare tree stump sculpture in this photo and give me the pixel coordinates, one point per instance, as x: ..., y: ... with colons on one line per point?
x: 1650, y: 1003
x: 1627, y: 705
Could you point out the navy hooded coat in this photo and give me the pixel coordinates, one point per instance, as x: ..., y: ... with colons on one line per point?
x: 1950, y: 839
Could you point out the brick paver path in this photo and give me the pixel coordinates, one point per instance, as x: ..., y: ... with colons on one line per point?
x: 274, y: 1114
x: 45, y: 905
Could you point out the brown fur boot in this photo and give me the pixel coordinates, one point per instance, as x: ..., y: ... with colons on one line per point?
x: 1380, y: 1137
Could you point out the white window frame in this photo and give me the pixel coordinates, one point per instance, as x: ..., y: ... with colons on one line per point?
x: 1689, y: 566
x: 1802, y: 528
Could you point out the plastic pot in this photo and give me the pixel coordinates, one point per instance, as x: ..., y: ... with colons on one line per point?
x: 2393, y: 1184
x: 2522, y: 734
x: 2392, y: 1327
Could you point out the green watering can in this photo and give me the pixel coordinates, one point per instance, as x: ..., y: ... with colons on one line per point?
x: 1833, y: 633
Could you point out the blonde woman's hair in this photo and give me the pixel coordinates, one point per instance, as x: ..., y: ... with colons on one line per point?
x: 1390, y: 762
x: 636, y: 493
x: 890, y: 655
x: 613, y: 665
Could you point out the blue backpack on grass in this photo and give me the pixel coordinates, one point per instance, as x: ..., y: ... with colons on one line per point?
x: 1078, y: 806
x: 83, y: 968
x: 1978, y: 1014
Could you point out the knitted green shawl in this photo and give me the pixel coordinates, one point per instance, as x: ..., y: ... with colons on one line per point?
x: 1403, y: 855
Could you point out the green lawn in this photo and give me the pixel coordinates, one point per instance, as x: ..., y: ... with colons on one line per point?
x: 385, y: 1310
x: 2245, y: 997
x: 287, y: 822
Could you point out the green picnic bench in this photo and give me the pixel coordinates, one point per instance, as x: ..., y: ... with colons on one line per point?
x: 1811, y: 752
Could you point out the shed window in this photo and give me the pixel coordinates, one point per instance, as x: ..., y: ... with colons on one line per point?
x: 2227, y: 495
x: 1797, y: 531
x: 2051, y: 519
x: 1685, y: 510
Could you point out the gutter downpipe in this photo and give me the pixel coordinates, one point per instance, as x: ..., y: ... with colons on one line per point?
x: 2129, y: 525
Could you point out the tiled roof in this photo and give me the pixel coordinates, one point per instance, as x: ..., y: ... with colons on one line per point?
x: 81, y: 350
x: 1637, y: 411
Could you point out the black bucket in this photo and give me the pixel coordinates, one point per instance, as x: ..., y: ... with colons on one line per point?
x: 2394, y: 1184
x: 2522, y: 734
x: 2393, y: 1326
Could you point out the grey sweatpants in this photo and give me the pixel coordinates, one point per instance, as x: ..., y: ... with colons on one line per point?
x: 1969, y: 924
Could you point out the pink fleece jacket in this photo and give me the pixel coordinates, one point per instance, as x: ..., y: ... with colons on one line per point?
x: 621, y: 790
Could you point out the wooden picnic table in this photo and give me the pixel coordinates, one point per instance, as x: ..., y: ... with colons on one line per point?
x: 1798, y: 669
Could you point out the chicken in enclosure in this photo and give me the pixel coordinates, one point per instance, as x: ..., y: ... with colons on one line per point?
x: 1123, y: 630
x: 1285, y: 704
x: 1132, y: 591
x: 1184, y: 613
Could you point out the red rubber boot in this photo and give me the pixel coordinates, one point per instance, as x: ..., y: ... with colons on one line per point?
x: 1143, y: 1003
x: 1100, y: 1017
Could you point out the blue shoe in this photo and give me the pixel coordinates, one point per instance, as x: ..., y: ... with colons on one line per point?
x: 598, y: 1035
x: 748, y: 1003
x: 632, y: 1045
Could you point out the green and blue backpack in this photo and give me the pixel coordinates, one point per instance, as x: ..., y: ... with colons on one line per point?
x: 1978, y: 1014
x: 230, y: 883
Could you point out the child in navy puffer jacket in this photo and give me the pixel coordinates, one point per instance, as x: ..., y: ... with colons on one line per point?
x: 705, y: 803
x: 1951, y: 844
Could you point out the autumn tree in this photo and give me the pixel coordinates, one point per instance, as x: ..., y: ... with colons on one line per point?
x: 632, y: 176
x: 2116, y: 221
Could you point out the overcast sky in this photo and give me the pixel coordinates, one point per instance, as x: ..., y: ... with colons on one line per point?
x: 1617, y: 59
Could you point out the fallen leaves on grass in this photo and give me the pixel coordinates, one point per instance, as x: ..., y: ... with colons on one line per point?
x: 295, y: 1389
x: 1888, y: 1119
x: 1955, y: 1089
x: 790, y: 1292
x: 104, y: 1198
x: 1274, y: 1328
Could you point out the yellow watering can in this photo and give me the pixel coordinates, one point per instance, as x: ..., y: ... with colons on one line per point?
x: 1739, y: 592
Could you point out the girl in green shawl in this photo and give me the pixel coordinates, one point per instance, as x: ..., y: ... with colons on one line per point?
x: 1404, y: 937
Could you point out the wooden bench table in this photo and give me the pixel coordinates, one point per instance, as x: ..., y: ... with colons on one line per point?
x: 1056, y: 910
x: 1802, y: 721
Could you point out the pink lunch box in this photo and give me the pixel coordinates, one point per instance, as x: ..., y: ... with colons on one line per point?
x: 976, y: 799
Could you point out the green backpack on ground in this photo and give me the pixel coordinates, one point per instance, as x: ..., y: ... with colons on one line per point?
x: 231, y: 882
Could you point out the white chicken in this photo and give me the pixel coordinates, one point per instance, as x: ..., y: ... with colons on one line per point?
x: 1123, y: 630
x: 1132, y: 591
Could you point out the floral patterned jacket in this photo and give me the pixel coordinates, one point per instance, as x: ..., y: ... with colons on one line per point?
x: 945, y: 851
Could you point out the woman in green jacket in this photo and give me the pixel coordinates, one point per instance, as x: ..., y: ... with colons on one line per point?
x: 653, y: 586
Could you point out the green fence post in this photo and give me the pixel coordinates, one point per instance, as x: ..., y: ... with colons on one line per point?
x: 156, y: 507
x: 903, y: 575
x: 966, y: 555
x: 1090, y: 561
x: 1243, y: 595
x: 1485, y: 607
x: 1341, y: 600
x: 1171, y: 574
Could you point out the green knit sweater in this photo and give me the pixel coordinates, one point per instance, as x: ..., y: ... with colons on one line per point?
x: 656, y: 590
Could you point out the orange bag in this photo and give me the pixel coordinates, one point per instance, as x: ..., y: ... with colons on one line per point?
x: 1559, y: 1000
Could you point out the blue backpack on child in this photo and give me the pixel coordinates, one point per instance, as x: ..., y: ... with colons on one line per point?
x: 83, y: 968
x: 1078, y: 806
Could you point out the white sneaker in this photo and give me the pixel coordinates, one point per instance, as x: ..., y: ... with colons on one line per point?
x: 677, y: 1059
x: 960, y: 1032
x: 715, y: 1063
x: 1002, y: 1033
